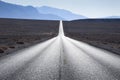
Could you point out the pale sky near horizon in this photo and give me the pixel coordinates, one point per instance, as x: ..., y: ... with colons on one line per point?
x: 89, y: 8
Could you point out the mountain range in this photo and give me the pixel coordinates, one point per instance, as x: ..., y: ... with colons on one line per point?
x: 8, y: 10
x: 60, y: 12
x: 116, y: 17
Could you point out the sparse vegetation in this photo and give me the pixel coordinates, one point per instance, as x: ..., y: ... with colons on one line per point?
x: 3, y: 47
x: 1, y: 51
x: 12, y: 47
x: 20, y: 42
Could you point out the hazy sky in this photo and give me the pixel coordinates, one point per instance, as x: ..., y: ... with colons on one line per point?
x: 89, y: 8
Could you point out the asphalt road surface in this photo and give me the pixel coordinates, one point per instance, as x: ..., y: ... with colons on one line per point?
x: 60, y: 58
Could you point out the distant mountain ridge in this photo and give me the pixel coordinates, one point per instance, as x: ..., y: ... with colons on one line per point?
x: 60, y: 12
x: 118, y: 17
x: 8, y: 10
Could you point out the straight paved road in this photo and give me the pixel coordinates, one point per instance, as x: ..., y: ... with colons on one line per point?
x: 60, y: 58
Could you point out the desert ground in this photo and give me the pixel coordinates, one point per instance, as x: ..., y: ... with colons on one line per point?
x: 102, y: 33
x: 16, y: 34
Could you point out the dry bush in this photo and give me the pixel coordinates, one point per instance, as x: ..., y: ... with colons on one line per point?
x: 3, y: 47
x: 1, y: 51
x: 12, y: 47
x: 20, y: 42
